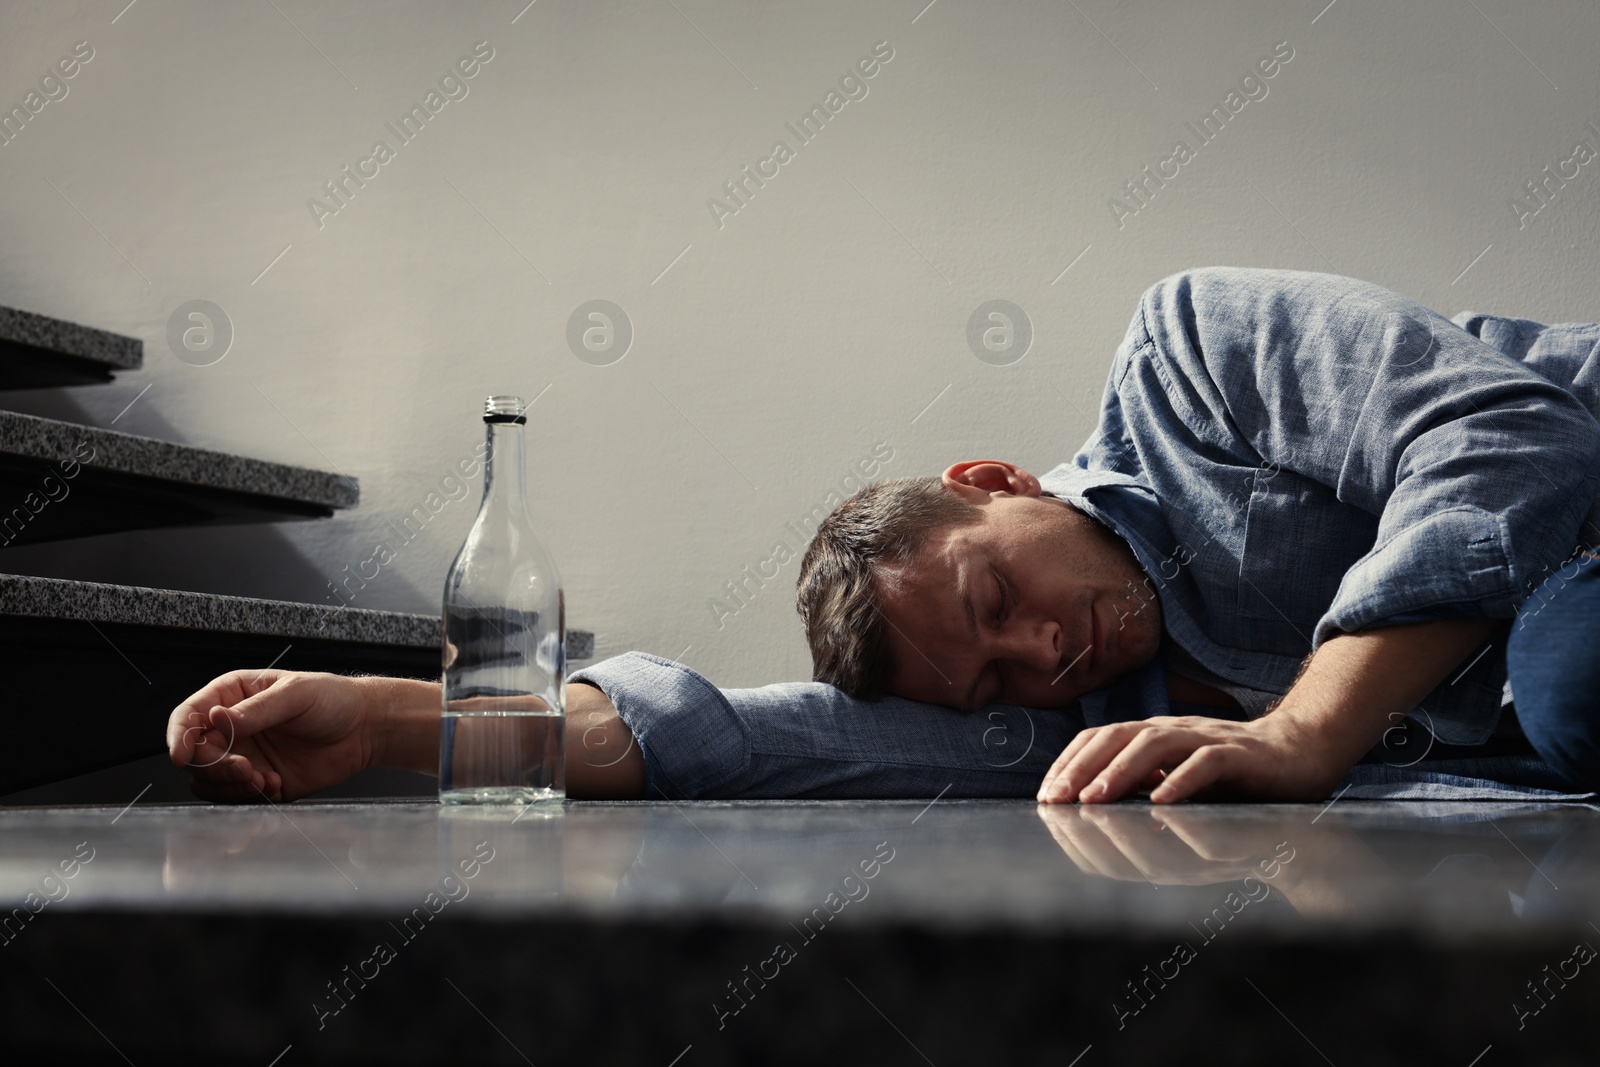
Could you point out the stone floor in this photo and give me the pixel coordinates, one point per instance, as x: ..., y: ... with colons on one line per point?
x: 733, y: 932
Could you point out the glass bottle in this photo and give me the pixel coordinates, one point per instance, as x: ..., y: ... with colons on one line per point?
x: 503, y: 730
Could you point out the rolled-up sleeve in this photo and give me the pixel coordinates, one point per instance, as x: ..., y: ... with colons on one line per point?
x: 1478, y: 469
x: 807, y: 739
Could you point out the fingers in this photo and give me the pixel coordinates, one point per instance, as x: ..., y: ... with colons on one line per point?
x: 1104, y: 763
x: 1085, y: 758
x: 1211, y: 842
x: 1049, y: 788
x: 1142, y: 757
x: 194, y: 712
x: 180, y: 724
x: 187, y: 734
x: 235, y: 780
x: 231, y: 780
x: 204, y: 731
x: 207, y: 740
x: 229, y: 792
x: 1087, y: 846
x: 1153, y: 779
x: 1206, y: 766
x: 1055, y: 820
x: 1165, y: 858
x: 275, y: 703
x: 226, y: 690
x: 1160, y: 754
x: 1160, y: 856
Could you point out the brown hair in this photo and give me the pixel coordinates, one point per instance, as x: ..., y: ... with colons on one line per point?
x: 887, y: 523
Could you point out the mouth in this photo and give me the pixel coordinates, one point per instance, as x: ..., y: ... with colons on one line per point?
x: 1099, y: 635
x: 1077, y: 658
x: 1091, y: 654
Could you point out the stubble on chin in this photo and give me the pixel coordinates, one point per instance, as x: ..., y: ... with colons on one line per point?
x: 1139, y: 617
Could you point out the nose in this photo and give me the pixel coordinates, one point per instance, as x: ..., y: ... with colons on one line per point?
x: 1036, y: 643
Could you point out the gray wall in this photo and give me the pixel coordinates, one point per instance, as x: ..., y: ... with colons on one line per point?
x: 783, y: 345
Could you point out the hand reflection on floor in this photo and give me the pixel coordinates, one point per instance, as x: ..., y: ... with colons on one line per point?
x: 1321, y: 867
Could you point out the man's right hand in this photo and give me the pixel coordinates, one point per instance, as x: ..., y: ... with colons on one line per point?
x: 258, y: 735
x: 274, y: 735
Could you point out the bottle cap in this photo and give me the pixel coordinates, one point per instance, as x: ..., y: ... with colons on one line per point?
x: 504, y: 409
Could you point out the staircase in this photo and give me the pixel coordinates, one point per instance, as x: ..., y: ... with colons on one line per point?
x: 93, y: 670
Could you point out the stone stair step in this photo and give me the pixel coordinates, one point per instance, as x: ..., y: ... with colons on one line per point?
x: 60, y: 480
x: 37, y: 352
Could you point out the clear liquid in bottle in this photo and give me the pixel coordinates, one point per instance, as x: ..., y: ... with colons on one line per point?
x: 503, y: 729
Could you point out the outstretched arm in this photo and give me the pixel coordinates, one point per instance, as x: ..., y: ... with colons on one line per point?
x: 1353, y: 689
x: 636, y: 723
x: 275, y: 735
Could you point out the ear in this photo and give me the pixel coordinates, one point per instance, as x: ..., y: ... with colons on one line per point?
x: 978, y: 479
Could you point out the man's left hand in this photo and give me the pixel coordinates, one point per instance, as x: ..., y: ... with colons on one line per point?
x: 1350, y: 691
x: 1176, y: 757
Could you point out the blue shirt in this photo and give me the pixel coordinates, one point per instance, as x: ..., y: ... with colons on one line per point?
x: 1290, y: 456
x: 1293, y: 456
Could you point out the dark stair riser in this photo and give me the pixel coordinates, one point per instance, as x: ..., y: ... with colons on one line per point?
x: 85, y: 696
x: 27, y: 367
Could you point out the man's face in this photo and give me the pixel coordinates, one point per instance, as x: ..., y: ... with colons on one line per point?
x: 1036, y: 604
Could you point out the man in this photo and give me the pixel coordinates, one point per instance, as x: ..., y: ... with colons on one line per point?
x: 1306, y: 519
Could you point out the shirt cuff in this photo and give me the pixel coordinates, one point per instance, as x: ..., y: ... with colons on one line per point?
x: 1454, y: 563
x: 692, y: 742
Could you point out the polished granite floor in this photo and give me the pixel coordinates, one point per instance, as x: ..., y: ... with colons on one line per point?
x: 628, y: 932
x: 1488, y: 867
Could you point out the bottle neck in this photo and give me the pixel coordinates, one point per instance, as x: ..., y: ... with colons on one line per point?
x: 503, y: 485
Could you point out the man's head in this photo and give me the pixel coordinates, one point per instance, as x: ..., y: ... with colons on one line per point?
x: 970, y: 589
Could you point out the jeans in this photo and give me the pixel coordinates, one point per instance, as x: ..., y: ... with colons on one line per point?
x: 1554, y: 664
